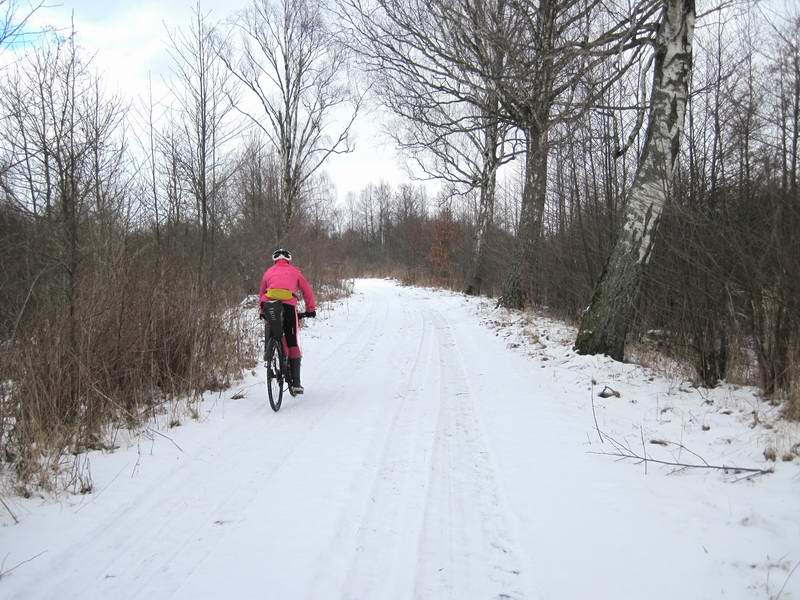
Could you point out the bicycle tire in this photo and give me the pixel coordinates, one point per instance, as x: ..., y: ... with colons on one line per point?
x: 275, y: 374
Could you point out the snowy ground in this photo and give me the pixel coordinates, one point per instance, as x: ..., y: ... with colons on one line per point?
x: 444, y: 449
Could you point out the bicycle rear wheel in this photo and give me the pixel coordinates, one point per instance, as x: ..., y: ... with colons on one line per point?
x: 275, y: 375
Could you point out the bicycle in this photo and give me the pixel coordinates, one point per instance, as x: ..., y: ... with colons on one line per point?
x: 275, y: 359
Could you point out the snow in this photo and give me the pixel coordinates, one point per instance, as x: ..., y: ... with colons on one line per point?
x: 443, y: 449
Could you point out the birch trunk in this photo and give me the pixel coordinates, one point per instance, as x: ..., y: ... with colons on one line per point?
x: 606, y: 321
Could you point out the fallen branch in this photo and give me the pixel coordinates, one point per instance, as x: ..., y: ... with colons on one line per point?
x: 751, y: 476
x: 11, y: 512
x: 625, y: 452
x: 644, y: 448
x: 9, y: 571
x: 788, y: 577
x: 152, y: 431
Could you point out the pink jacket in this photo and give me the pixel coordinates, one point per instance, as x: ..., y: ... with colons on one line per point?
x: 285, y: 275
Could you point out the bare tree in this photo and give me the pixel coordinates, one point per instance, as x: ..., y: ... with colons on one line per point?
x: 291, y: 64
x: 420, y: 57
x: 786, y: 69
x: 204, y: 94
x: 14, y: 18
x: 64, y: 148
x: 605, y: 324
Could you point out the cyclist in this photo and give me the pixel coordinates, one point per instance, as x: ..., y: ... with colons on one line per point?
x: 281, y: 282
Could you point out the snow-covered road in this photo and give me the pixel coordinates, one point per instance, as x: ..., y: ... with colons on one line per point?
x: 426, y: 460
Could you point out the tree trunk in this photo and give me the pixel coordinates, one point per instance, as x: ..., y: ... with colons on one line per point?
x: 287, y: 197
x: 521, y: 276
x: 485, y: 207
x: 606, y: 321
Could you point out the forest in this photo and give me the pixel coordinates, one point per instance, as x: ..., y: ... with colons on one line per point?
x: 628, y: 166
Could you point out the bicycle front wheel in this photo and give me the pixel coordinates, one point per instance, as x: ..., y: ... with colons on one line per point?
x: 275, y: 375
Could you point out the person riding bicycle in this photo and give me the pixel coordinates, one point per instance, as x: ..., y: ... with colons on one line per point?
x: 281, y: 282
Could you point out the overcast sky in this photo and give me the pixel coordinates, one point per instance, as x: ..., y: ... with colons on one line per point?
x: 129, y: 39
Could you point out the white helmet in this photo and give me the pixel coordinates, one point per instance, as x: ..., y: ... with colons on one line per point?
x: 281, y: 253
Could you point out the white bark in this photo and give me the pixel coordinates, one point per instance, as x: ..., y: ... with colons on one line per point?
x: 650, y: 189
x: 606, y: 322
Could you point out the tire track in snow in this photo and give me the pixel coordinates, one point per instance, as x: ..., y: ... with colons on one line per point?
x: 465, y: 548
x: 382, y: 558
x: 432, y: 526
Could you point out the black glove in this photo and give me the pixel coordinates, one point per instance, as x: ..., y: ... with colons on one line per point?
x: 311, y: 314
x: 261, y: 316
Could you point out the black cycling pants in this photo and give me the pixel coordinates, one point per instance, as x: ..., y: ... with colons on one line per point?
x: 290, y: 325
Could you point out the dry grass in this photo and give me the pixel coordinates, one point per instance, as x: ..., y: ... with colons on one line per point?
x: 62, y: 399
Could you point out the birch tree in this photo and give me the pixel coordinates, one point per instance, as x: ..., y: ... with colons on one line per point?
x: 605, y: 323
